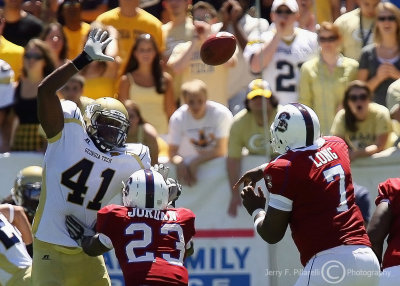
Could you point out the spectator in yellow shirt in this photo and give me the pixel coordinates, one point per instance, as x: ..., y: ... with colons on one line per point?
x: 364, y: 125
x: 130, y: 21
x: 324, y: 78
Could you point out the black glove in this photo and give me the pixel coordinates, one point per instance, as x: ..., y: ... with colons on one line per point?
x: 77, y: 230
x: 29, y: 248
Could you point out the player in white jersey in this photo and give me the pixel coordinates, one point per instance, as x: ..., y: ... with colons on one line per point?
x: 282, y: 50
x: 15, y: 228
x: 15, y: 262
x: 85, y: 163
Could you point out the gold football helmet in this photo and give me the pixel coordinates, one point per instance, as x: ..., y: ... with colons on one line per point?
x: 107, y: 123
x: 27, y: 187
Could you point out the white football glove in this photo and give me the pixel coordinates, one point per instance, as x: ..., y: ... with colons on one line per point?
x: 96, y: 44
x: 77, y: 230
x: 174, y: 189
x: 162, y: 169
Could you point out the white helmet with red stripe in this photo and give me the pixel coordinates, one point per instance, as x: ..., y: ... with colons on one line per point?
x: 295, y: 126
x: 145, y: 189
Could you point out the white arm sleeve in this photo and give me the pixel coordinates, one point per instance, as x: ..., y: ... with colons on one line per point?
x: 280, y: 202
x: 11, y: 219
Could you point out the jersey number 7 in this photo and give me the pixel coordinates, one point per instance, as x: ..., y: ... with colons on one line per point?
x: 330, y: 175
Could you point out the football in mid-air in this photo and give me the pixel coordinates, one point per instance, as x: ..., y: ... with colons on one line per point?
x: 218, y: 48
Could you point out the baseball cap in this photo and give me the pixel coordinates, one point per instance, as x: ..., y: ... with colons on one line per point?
x: 291, y: 4
x: 258, y: 87
x: 6, y: 84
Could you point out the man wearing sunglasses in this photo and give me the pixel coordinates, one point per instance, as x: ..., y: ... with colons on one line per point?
x: 281, y: 51
x: 235, y: 19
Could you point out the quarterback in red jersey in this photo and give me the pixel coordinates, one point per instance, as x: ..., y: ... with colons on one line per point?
x: 150, y: 238
x: 386, y: 222
x: 310, y: 189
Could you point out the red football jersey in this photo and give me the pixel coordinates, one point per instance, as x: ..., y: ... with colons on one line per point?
x: 317, y: 186
x: 389, y: 190
x: 150, y: 244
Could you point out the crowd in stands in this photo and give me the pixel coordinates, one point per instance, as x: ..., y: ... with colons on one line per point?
x: 342, y: 60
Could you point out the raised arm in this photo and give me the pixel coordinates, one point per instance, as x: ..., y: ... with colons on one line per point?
x: 123, y: 92
x: 169, y: 100
x: 179, y: 61
x: 49, y: 107
x: 231, y: 13
x: 261, y: 59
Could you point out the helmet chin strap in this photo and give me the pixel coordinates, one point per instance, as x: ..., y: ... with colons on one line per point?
x: 92, y: 135
x: 102, y: 147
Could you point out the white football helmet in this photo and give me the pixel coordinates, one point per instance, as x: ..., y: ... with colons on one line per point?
x: 295, y: 126
x: 107, y: 123
x: 145, y: 189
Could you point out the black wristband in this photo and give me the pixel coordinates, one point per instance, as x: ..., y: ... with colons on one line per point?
x: 29, y: 248
x: 82, y: 60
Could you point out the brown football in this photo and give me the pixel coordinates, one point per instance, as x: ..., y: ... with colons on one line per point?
x: 218, y: 48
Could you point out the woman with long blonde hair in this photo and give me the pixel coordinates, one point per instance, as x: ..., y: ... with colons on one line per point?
x: 380, y: 61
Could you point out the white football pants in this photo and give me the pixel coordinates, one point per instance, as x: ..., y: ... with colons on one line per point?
x: 390, y: 276
x: 345, y: 265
